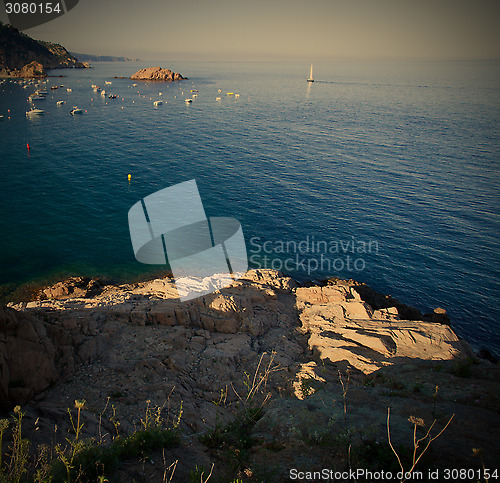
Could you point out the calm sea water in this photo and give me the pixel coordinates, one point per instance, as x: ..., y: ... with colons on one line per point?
x: 382, y: 172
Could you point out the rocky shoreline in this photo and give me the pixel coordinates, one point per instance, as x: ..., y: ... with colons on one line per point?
x: 136, y: 343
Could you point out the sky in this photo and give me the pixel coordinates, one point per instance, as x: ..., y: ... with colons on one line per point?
x: 288, y: 30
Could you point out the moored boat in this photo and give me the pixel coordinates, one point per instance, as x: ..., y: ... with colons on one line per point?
x: 34, y: 112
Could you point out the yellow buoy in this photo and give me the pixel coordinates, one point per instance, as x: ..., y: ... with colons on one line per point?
x: 129, y: 177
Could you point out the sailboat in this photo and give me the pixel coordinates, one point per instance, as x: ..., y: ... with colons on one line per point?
x: 310, y: 78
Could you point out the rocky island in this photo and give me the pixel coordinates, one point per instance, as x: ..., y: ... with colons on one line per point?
x: 260, y: 377
x: 157, y: 74
x: 22, y: 56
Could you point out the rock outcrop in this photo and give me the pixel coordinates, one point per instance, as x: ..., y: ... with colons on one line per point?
x: 322, y: 356
x: 19, y: 52
x: 36, y: 352
x: 157, y: 74
x: 74, y: 287
x: 33, y: 70
x: 335, y: 323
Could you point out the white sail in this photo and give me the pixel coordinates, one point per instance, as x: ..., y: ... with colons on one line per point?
x: 310, y: 78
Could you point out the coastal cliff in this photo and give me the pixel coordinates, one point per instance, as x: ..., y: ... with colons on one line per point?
x: 322, y: 356
x: 17, y: 50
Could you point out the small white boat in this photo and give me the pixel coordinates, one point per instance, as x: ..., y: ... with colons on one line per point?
x: 157, y: 103
x: 236, y: 95
x: 217, y: 98
x: 34, y: 112
x: 188, y: 101
x: 60, y: 103
x: 76, y: 110
x: 97, y: 89
x: 36, y: 98
x: 42, y: 92
x: 103, y: 93
x: 195, y: 95
x: 68, y: 89
x: 134, y: 85
x: 107, y: 82
x: 1, y: 117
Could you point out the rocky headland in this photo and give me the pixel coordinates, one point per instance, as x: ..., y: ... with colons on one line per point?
x: 157, y: 74
x: 102, y: 58
x: 22, y: 56
x: 321, y: 363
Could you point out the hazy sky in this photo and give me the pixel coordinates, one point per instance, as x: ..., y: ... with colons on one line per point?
x: 279, y: 29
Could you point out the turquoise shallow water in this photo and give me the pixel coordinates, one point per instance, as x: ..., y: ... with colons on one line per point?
x: 383, y: 172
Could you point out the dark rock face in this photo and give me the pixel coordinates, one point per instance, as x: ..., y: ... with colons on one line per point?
x: 36, y: 352
x: 18, y: 50
x: 157, y: 73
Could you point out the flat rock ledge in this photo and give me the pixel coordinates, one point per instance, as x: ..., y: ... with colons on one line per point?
x: 326, y: 349
x: 157, y: 74
x: 72, y: 321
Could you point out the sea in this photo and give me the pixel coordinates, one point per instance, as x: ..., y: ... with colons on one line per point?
x: 382, y: 172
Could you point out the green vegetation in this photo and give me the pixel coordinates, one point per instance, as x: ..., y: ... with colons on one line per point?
x: 231, y: 446
x: 232, y: 442
x: 462, y: 367
x: 81, y: 460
